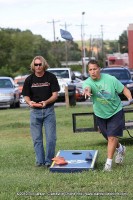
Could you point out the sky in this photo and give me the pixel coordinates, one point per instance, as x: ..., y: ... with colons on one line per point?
x: 101, y: 18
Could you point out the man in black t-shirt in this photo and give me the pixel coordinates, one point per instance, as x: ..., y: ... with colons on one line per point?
x: 40, y: 92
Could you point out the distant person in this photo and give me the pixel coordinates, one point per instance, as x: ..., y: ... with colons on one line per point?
x: 103, y: 90
x: 42, y: 87
x: 126, y: 65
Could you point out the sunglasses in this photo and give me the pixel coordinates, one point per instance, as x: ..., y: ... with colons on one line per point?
x: 38, y: 64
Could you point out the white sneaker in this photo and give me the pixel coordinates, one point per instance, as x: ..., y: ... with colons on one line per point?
x: 120, y: 155
x: 107, y: 167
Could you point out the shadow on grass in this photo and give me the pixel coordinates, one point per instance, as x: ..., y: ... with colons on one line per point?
x: 14, y: 125
x: 100, y: 143
x: 126, y: 141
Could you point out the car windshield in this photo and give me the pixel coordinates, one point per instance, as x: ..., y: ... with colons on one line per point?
x: 60, y: 73
x: 119, y: 74
x: 5, y: 83
x: 20, y: 83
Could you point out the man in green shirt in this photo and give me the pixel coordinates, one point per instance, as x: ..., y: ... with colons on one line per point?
x: 103, y: 90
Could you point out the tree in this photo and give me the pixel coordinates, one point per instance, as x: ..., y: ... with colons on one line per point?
x: 123, y: 42
x: 6, y: 46
x: 18, y: 48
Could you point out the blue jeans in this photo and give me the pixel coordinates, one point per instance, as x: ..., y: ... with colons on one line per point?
x: 39, y: 118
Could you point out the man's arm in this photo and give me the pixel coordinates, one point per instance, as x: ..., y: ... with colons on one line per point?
x: 52, y: 99
x: 44, y: 103
x: 28, y: 101
x: 127, y: 93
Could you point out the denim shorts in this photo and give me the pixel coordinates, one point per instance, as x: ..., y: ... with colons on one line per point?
x: 112, y: 126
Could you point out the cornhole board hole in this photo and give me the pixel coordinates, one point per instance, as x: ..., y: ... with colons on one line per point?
x: 77, y: 161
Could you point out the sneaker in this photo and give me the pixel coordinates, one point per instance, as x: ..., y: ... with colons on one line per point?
x: 107, y: 167
x: 47, y: 165
x: 40, y: 165
x: 120, y: 155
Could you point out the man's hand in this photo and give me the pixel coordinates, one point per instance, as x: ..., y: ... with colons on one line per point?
x: 43, y: 103
x: 87, y: 92
x: 31, y: 103
x: 34, y: 104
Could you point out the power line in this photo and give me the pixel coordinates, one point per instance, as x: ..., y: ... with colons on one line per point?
x: 65, y: 25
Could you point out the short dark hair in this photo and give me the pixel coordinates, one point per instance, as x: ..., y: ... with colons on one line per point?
x: 94, y: 62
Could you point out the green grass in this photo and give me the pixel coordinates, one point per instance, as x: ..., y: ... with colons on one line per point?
x: 19, y: 175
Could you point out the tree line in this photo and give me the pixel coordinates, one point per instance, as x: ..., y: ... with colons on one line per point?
x: 18, y: 48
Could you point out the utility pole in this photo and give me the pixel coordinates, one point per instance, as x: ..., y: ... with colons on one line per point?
x: 53, y: 22
x: 102, y: 46
x: 90, y: 48
x: 66, y: 46
x: 83, y: 44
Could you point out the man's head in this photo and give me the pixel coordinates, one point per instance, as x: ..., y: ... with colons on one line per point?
x: 94, y: 69
x: 38, y: 61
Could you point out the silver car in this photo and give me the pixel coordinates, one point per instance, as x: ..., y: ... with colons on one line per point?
x: 9, y: 93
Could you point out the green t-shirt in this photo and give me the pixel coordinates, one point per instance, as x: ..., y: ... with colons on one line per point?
x: 106, y: 101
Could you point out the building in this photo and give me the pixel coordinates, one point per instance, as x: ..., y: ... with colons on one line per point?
x: 130, y: 45
x: 117, y: 59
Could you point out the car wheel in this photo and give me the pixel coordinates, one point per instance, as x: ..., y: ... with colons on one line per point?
x: 12, y: 105
x: 17, y: 105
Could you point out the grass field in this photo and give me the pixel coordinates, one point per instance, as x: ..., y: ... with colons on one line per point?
x: 20, y: 179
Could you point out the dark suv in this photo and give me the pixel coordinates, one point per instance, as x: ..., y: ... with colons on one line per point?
x: 123, y: 75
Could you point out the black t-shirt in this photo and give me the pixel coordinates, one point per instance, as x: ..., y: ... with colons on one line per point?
x: 40, y: 88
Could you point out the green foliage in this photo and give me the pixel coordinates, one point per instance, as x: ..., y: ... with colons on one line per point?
x: 6, y: 71
x: 76, y: 68
x: 20, y: 179
x: 18, y: 48
x: 111, y: 46
x: 123, y: 42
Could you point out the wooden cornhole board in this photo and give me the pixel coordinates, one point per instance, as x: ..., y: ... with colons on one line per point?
x: 77, y: 161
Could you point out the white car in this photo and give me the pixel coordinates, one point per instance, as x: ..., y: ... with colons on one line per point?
x: 22, y: 100
x: 9, y: 93
x: 65, y: 78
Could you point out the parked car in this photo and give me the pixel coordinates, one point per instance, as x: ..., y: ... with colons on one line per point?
x: 78, y: 75
x: 20, y: 81
x: 9, y: 93
x: 22, y: 100
x: 79, y: 90
x: 131, y: 72
x: 65, y: 78
x: 123, y: 75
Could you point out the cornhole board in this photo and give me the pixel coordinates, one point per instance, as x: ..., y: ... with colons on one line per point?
x: 78, y: 161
